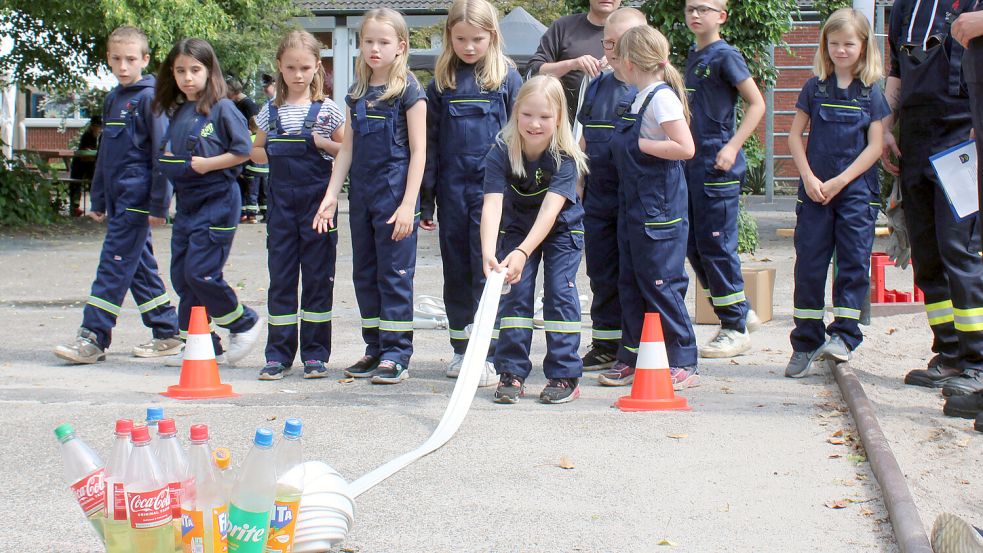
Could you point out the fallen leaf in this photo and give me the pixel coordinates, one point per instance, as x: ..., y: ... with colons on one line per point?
x: 838, y: 433
x: 964, y: 481
x: 835, y: 456
x: 666, y: 541
x: 861, y: 477
x: 836, y: 441
x: 856, y: 458
x: 273, y: 418
x: 726, y: 390
x: 734, y: 362
x: 866, y: 512
x: 678, y: 436
x: 346, y: 381
x: 765, y: 260
x: 566, y: 463
x: 839, y: 503
x: 824, y: 393
x: 891, y: 331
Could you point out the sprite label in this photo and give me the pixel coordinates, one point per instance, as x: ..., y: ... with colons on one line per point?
x: 248, y: 531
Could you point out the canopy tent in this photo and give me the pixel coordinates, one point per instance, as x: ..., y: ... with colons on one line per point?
x: 520, y: 32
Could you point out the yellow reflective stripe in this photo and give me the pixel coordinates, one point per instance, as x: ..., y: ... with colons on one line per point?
x: 516, y: 322
x: 370, y: 323
x: 528, y: 195
x: 253, y: 169
x: 663, y: 223
x: 221, y: 228
x: 169, y: 160
x: 135, y: 210
x: 941, y: 319
x: 728, y: 183
x: 576, y: 232
x: 315, y: 316
x: 632, y: 119
x: 395, y: 326
x: 470, y: 101
x: 840, y: 106
x: 116, y: 123
x: 846, y: 312
x: 282, y: 320
x: 938, y: 305
x: 968, y: 320
x: 374, y: 116
x: 566, y: 327
x: 287, y: 140
x: 599, y: 126
x: 457, y: 334
x: 106, y: 306
x: 940, y: 312
x: 633, y: 350
x: 724, y: 301
x: 605, y: 334
x: 162, y: 299
x: 229, y: 318
x: 807, y: 313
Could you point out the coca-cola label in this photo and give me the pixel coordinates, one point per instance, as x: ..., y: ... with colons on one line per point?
x: 90, y: 492
x: 118, y: 502
x: 175, y: 490
x: 149, y: 509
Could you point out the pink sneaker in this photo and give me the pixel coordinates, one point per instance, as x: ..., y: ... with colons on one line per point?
x: 686, y: 377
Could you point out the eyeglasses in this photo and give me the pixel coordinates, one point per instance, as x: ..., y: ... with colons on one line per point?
x: 607, y: 44
x: 700, y: 10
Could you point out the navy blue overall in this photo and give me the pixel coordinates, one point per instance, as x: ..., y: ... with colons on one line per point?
x: 382, y: 268
x: 463, y: 123
x: 837, y: 135
x: 560, y: 254
x: 208, y: 208
x: 714, y: 195
x: 122, y: 189
x: 300, y: 177
x: 935, y: 115
x: 652, y: 227
x: 605, y: 101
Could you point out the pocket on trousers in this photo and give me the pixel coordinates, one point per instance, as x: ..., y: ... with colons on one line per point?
x: 663, y: 230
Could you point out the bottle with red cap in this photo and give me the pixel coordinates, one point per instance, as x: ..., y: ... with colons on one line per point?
x: 147, y: 499
x: 117, y: 526
x: 175, y: 466
x: 204, y: 505
x: 84, y: 472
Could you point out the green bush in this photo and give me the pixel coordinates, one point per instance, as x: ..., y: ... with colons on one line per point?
x: 747, y: 229
x: 29, y: 193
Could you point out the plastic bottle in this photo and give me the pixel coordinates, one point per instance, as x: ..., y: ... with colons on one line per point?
x: 117, y: 527
x: 252, y: 496
x: 289, y: 487
x: 204, y: 505
x: 175, y: 466
x: 147, y: 498
x: 84, y: 472
x: 222, y: 458
x: 154, y: 415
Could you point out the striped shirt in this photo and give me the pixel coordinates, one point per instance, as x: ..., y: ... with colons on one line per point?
x: 292, y: 119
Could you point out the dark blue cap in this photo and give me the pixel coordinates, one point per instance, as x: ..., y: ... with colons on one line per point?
x: 155, y: 413
x: 292, y: 428
x: 264, y: 437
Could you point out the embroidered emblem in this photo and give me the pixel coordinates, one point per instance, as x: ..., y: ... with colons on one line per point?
x: 207, y: 130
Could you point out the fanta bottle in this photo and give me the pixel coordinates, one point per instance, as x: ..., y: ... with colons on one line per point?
x: 84, y: 473
x: 289, y: 487
x: 117, y: 522
x: 252, y: 496
x: 154, y: 415
x: 175, y: 467
x: 222, y: 458
x: 147, y: 498
x: 204, y: 507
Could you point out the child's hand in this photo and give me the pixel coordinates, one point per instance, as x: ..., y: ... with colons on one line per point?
x: 156, y: 221
x: 890, y: 147
x: 321, y: 143
x: 814, y: 189
x: 201, y: 165
x: 513, y: 264
x: 97, y: 216
x: 725, y: 158
x: 324, y: 219
x: 832, y: 187
x: 402, y: 221
x: 428, y: 224
x: 489, y: 264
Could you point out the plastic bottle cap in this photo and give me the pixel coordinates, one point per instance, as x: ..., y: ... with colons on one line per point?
x: 166, y: 426
x: 124, y: 426
x: 292, y: 428
x: 264, y: 437
x: 222, y: 457
x: 199, y: 432
x: 64, y: 430
x: 140, y: 434
x: 155, y: 413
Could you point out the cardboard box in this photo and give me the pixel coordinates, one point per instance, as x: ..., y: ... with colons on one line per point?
x: 759, y: 287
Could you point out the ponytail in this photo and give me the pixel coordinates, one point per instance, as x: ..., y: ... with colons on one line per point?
x: 648, y: 50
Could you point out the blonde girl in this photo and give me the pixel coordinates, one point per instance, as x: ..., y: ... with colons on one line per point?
x: 532, y: 213
x: 469, y: 101
x: 383, y: 154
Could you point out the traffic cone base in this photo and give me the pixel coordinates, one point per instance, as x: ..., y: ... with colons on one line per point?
x: 199, y: 371
x: 651, y: 389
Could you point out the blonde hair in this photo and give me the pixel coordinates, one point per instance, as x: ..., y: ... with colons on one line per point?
x: 626, y: 15
x: 398, y: 71
x: 648, y: 50
x: 562, y: 142
x: 491, y: 70
x: 301, y: 40
x: 868, y: 68
x: 129, y: 33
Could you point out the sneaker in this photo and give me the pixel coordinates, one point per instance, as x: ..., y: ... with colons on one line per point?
x: 727, y: 343
x: 251, y: 219
x: 969, y: 382
x: 454, y: 367
x: 363, y: 368
x: 314, y: 368
x: 273, y: 370
x: 684, y: 377
x: 834, y: 349
x: 159, y: 347
x: 967, y: 406
x: 241, y: 342
x: 177, y: 360
x: 390, y: 372
x: 620, y: 374
x: 510, y: 388
x: 84, y: 350
x: 935, y: 376
x: 951, y: 534
x: 598, y: 359
x: 752, y: 322
x: 799, y: 363
x: 560, y: 390
x: 488, y: 375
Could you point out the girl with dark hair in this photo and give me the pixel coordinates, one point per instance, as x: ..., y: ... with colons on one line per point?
x: 204, y: 148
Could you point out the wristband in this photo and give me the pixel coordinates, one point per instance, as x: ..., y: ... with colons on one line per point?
x: 522, y: 252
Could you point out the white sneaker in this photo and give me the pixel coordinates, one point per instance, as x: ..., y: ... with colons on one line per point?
x: 177, y: 360
x: 752, y: 322
x: 727, y: 343
x: 488, y: 376
x: 454, y: 367
x: 241, y: 342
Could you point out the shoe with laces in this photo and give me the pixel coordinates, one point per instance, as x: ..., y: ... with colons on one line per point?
x: 935, y: 375
x: 798, y: 365
x: 752, y: 322
x: 834, y: 349
x: 969, y: 382
x: 951, y: 534
x: 314, y: 368
x: 621, y: 374
x: 363, y: 368
x: 598, y: 359
x: 560, y: 390
x: 177, y: 360
x: 684, y: 377
x: 390, y: 372
x: 727, y: 343
x: 159, y: 347
x: 273, y: 370
x: 454, y: 367
x: 967, y: 406
x: 488, y: 375
x: 510, y: 388
x: 241, y: 342
x: 84, y: 350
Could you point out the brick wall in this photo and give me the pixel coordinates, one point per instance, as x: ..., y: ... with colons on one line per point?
x: 50, y: 138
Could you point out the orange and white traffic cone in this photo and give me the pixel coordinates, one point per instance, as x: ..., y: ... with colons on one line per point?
x: 652, y: 387
x: 199, y: 371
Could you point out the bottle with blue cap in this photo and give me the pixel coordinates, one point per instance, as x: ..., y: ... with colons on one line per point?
x: 289, y: 487
x: 253, y: 496
x: 154, y: 416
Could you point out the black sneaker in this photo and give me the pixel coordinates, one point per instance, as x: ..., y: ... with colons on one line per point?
x: 510, y: 388
x: 315, y: 369
x: 390, y: 372
x: 967, y: 406
x: 936, y: 375
x: 274, y: 370
x: 598, y: 359
x: 969, y: 382
x: 363, y: 368
x: 560, y: 390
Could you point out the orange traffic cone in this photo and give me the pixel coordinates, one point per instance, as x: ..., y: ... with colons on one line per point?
x: 652, y: 387
x: 199, y: 371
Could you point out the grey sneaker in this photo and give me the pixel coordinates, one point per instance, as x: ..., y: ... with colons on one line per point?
x: 951, y: 534
x: 159, y: 347
x: 488, y: 375
x: 314, y: 368
x: 560, y: 390
x: 834, y: 348
x: 727, y: 343
x: 454, y: 367
x: 510, y: 388
x: 241, y: 342
x: 684, y: 377
x: 752, y: 322
x: 390, y: 372
x: 274, y: 370
x: 84, y: 350
x: 798, y: 365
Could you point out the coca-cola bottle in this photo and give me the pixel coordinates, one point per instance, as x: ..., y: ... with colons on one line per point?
x: 147, y: 498
x: 84, y: 473
x: 117, y: 521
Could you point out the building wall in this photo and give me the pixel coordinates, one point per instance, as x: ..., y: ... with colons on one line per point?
x: 50, y: 138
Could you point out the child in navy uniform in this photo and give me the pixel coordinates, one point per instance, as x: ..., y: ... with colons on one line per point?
x: 715, y: 74
x: 205, y: 145
x: 126, y: 192
x: 468, y: 101
x: 532, y: 173
x: 839, y: 194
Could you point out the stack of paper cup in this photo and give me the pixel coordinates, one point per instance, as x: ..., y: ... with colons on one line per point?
x: 327, y: 510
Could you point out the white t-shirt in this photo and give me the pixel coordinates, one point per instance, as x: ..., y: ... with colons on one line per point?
x: 665, y: 106
x: 292, y: 118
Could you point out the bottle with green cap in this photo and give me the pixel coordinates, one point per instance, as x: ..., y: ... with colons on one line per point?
x: 84, y: 472
x: 289, y: 487
x: 252, y: 496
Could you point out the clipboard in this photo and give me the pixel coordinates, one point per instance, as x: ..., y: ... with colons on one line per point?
x: 956, y: 169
